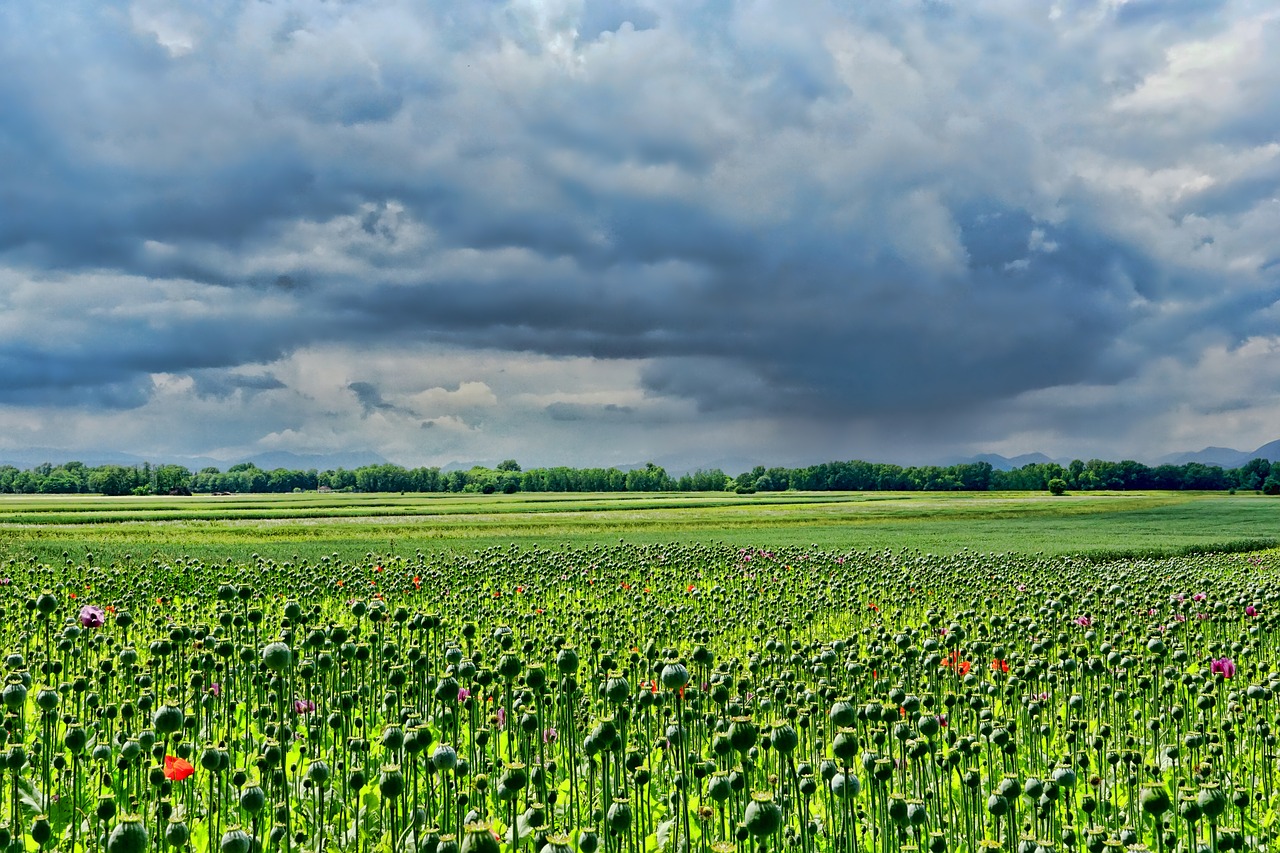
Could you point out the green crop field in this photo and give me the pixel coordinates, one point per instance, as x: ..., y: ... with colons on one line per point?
x: 309, y: 524
x: 708, y: 673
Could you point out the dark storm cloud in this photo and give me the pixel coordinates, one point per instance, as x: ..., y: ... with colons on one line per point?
x: 824, y: 211
x: 221, y: 384
x: 583, y: 412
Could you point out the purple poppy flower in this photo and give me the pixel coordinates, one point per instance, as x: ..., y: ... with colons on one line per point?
x: 1225, y: 667
x: 1251, y: 611
x: 303, y: 706
x: 463, y: 694
x: 549, y: 735
x: 92, y: 616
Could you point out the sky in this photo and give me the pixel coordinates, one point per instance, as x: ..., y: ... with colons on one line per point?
x: 705, y: 233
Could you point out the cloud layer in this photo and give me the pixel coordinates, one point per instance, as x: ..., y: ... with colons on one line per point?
x: 598, y: 232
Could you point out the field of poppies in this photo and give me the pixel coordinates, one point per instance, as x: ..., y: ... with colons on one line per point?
x: 636, y: 698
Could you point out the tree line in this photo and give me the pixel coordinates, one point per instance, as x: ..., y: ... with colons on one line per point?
x: 508, y: 477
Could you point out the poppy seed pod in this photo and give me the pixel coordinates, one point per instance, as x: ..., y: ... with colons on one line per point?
x: 1212, y: 801
x: 390, y: 781
x: 277, y: 656
x: 718, y: 787
x: 478, y: 838
x: 41, y: 831
x: 674, y: 675
x: 616, y: 688
x: 253, y: 799
x: 177, y: 832
x: 845, y: 786
x: 509, y: 666
x: 168, y: 718
x: 618, y: 818
x: 444, y: 758
x: 1154, y: 800
x: 14, y: 694
x: 762, y: 816
x: 129, y: 835
x: 784, y: 738
x: 235, y: 840
x: 844, y: 745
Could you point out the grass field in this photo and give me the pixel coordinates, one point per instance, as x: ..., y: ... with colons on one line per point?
x: 1099, y: 524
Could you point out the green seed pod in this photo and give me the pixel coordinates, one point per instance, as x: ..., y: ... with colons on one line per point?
x: 14, y: 693
x: 1154, y: 800
x: 567, y: 660
x: 235, y: 840
x: 617, y: 688
x: 513, y: 780
x: 177, y: 833
x: 392, y: 738
x: 1212, y: 801
x: 46, y: 602
x: 277, y: 656
x: 318, y: 772
x: 843, y: 714
x: 845, y: 745
x: 168, y: 718
x: 253, y: 799
x: 742, y: 733
x: 391, y: 781
x: 718, y: 787
x: 762, y: 817
x: 997, y: 806
x: 674, y: 675
x: 588, y: 841
x: 618, y: 818
x: 444, y: 757
x: 106, y: 808
x: 509, y: 666
x: 47, y: 699
x: 41, y: 831
x: 75, y: 739
x: 845, y: 786
x: 129, y: 835
x: 478, y: 838
x: 784, y: 737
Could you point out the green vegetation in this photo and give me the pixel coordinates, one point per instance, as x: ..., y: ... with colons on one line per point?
x: 646, y: 698
x: 508, y: 478
x: 280, y: 526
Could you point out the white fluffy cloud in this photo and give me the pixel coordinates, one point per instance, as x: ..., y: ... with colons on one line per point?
x: 611, y: 230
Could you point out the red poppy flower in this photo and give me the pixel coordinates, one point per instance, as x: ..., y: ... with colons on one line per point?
x: 953, y: 661
x: 177, y: 769
x: 1000, y: 665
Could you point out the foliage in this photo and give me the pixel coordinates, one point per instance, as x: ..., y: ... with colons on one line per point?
x: 508, y: 478
x: 638, y: 698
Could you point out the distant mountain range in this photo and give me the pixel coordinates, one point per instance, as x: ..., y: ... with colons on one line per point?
x: 1223, y: 457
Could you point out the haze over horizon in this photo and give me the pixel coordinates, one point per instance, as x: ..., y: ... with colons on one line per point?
x: 600, y: 232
